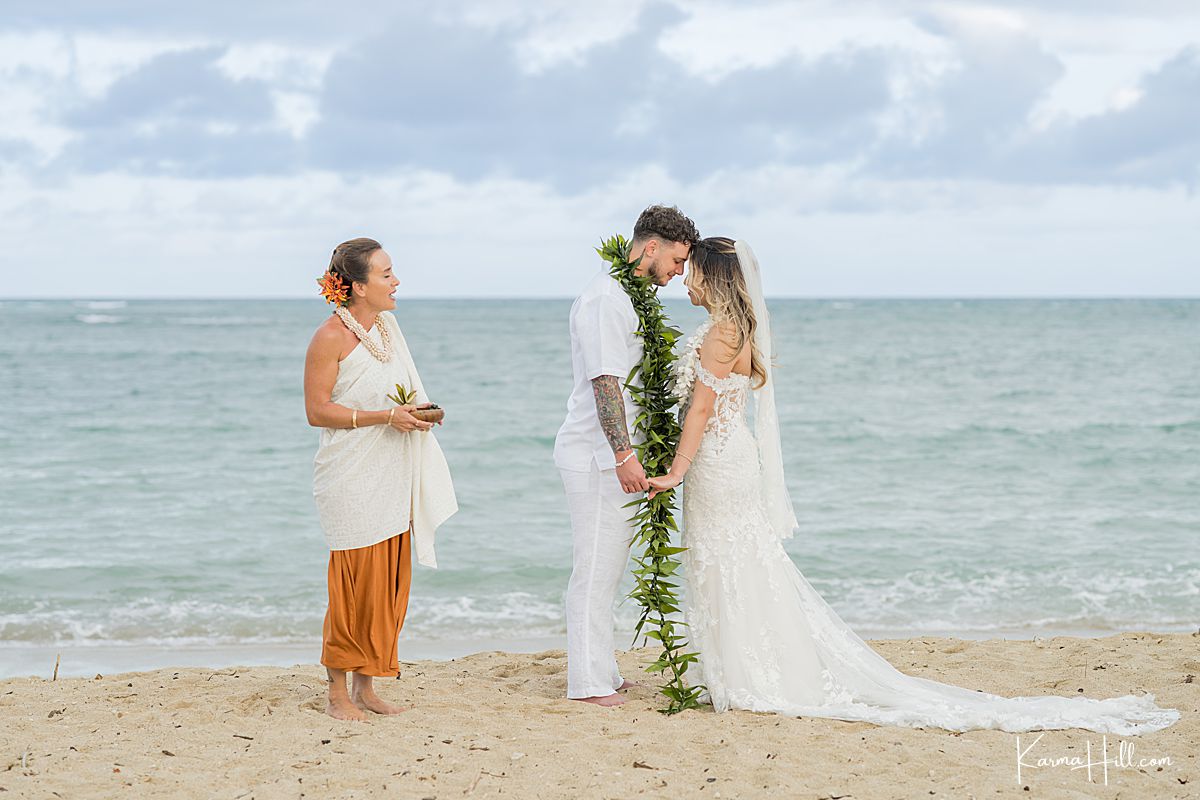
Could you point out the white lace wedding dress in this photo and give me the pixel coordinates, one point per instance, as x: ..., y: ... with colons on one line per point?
x: 768, y: 642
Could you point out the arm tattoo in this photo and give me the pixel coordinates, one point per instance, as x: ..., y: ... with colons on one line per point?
x: 610, y: 408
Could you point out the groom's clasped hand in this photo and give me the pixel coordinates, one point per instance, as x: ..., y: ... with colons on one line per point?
x: 655, y: 485
x: 634, y: 479
x: 631, y: 474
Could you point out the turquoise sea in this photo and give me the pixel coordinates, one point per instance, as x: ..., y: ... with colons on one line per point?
x: 974, y: 468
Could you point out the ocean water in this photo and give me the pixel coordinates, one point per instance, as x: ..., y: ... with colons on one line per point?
x: 974, y: 468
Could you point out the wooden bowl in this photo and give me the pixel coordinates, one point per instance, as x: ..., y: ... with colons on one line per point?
x: 434, y: 414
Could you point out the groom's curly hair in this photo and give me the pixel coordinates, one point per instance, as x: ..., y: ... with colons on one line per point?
x: 666, y: 223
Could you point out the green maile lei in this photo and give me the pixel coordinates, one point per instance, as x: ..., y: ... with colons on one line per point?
x: 657, y: 567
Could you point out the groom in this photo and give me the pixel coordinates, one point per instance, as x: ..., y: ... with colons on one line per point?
x: 595, y: 456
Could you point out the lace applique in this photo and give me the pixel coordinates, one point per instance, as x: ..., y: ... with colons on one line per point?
x: 835, y: 693
x: 729, y: 410
x: 685, y: 367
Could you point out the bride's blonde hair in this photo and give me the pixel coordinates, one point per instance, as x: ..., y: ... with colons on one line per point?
x: 723, y: 287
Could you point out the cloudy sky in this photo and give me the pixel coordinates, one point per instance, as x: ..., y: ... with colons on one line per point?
x: 864, y: 149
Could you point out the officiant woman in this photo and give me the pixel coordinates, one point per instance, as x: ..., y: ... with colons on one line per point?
x: 380, y: 481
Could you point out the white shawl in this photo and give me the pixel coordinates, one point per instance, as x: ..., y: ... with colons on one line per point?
x: 375, y: 482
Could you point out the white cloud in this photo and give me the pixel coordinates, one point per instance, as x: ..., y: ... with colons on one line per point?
x: 1125, y: 97
x: 554, y: 32
x: 818, y: 233
x: 982, y: 20
x: 911, y: 191
x: 296, y: 111
x: 295, y: 67
x: 41, y: 53
x: 719, y: 39
x: 24, y: 106
x: 99, y: 60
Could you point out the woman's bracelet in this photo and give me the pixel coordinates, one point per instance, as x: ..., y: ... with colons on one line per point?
x: 354, y: 419
x: 681, y: 455
x: 391, y: 414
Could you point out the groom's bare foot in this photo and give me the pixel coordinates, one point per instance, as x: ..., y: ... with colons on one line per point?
x: 608, y: 700
x: 630, y: 685
x: 342, y: 708
x: 367, y: 699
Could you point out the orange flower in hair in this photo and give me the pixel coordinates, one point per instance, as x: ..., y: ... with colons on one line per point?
x: 334, y: 289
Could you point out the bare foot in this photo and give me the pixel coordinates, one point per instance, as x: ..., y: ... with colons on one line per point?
x: 366, y: 698
x: 630, y: 685
x: 608, y: 701
x: 342, y: 708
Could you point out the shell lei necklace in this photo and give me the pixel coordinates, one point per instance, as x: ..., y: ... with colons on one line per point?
x: 383, y: 353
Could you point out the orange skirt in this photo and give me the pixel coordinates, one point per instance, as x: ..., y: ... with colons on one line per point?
x: 368, y: 598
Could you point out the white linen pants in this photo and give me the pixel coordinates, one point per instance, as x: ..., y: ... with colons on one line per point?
x: 601, y: 534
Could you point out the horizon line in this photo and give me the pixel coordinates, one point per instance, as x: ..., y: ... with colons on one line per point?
x: 507, y: 298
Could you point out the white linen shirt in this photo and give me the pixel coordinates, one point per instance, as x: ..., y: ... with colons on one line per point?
x: 604, y: 341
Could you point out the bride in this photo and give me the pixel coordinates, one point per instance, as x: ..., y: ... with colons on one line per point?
x: 766, y: 639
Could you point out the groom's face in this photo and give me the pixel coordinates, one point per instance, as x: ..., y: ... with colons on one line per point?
x: 666, y: 260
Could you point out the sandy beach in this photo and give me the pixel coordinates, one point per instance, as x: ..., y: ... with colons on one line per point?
x: 495, y: 724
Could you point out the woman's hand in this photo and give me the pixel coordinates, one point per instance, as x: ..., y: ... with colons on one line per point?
x: 663, y: 483
x: 403, y: 420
